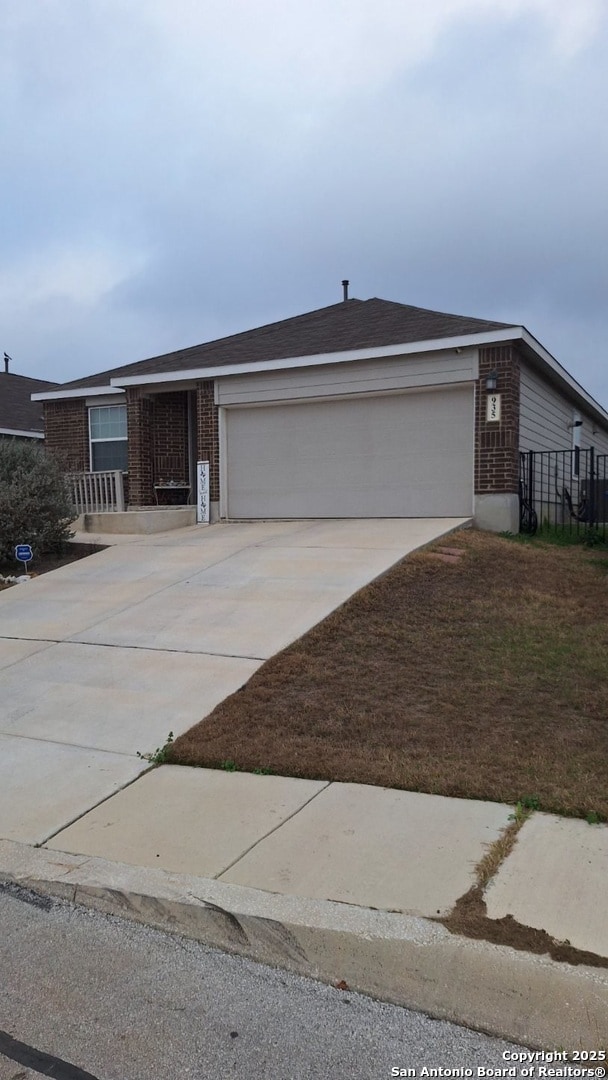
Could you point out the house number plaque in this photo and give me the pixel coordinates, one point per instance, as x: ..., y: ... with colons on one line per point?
x: 492, y: 407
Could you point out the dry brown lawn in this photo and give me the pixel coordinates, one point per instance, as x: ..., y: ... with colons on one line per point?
x: 485, y: 679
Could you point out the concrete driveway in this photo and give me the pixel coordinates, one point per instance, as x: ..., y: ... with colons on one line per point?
x: 102, y: 658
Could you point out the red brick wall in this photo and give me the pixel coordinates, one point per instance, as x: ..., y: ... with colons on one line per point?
x: 497, y: 442
x: 170, y: 436
x: 158, y: 441
x: 139, y: 429
x: 207, y: 427
x: 66, y: 432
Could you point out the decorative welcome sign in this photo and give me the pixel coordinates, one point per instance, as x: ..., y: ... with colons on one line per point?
x: 202, y: 492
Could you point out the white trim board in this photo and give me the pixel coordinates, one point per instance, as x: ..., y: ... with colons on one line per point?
x: 22, y: 434
x: 321, y: 359
x: 84, y: 391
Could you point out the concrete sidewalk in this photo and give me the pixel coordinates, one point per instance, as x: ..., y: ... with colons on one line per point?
x: 350, y: 882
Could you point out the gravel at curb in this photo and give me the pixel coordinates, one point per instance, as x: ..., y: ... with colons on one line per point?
x: 397, y: 958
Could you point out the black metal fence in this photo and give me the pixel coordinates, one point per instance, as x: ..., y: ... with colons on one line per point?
x: 564, y: 490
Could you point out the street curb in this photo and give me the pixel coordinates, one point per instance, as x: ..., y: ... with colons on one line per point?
x: 402, y: 959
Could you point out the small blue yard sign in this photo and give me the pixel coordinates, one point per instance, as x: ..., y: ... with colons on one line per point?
x: 23, y: 553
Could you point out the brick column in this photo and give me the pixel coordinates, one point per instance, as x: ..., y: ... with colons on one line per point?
x: 497, y: 442
x: 139, y: 431
x: 207, y: 434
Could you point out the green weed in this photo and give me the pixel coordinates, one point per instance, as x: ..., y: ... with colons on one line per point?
x: 161, y: 755
x: 524, y: 807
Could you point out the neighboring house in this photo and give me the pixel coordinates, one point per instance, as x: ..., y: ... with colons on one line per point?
x: 366, y: 408
x: 20, y: 417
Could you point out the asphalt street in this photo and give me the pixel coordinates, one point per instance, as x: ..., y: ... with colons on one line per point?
x: 101, y: 997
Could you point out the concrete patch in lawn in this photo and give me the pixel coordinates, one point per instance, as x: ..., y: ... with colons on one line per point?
x: 554, y: 880
x: 122, y: 700
x: 45, y: 785
x: 195, y: 821
x: 392, y: 850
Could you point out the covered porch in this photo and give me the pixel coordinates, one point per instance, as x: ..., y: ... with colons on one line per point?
x: 132, y: 455
x: 168, y: 432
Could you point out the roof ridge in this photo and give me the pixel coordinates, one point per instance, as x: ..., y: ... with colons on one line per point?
x: 434, y: 311
x: 255, y: 329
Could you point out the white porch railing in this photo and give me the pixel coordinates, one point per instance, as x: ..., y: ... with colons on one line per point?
x: 97, y: 492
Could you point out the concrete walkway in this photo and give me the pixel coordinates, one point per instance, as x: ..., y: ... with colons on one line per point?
x: 348, y: 883
x: 341, y: 881
x: 102, y: 658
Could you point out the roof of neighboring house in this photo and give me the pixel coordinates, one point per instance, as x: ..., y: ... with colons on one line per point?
x: 350, y: 324
x: 18, y: 413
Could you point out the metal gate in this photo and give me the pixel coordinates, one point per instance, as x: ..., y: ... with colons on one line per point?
x: 564, y: 490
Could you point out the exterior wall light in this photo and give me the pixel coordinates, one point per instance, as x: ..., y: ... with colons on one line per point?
x: 492, y: 382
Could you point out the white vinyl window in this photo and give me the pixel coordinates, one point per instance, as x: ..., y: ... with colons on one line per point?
x: 108, y: 437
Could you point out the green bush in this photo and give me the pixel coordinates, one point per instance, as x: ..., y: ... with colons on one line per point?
x: 35, y: 503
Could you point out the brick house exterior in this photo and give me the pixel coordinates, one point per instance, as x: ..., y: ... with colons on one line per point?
x: 231, y: 403
x: 497, y: 446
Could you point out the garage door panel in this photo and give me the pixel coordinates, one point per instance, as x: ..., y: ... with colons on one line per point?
x: 402, y: 455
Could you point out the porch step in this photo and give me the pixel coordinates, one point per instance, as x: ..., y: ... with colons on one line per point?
x: 154, y: 519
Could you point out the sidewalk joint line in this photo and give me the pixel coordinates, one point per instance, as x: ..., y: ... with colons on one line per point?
x: 273, y: 830
x: 141, y: 648
x: 61, y: 742
x: 158, y: 648
x: 77, y: 817
x: 45, y: 642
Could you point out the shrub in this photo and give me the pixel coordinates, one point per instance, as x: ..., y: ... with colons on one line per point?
x: 35, y: 503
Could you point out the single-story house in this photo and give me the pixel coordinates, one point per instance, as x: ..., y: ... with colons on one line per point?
x: 365, y: 408
x: 20, y: 417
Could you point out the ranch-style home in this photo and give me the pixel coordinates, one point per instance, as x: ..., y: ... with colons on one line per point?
x: 365, y: 408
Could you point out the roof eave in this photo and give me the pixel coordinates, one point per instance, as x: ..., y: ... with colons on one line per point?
x: 315, y: 359
x: 75, y: 392
x: 22, y: 434
x: 487, y: 337
x: 540, y: 353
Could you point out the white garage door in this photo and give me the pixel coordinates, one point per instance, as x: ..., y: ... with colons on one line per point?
x: 391, y: 455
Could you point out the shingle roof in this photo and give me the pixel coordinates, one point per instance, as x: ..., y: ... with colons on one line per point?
x: 17, y: 411
x: 351, y: 324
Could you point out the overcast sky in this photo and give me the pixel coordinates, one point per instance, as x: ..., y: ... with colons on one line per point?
x: 176, y: 170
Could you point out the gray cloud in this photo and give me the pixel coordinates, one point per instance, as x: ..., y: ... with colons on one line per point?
x: 177, y: 173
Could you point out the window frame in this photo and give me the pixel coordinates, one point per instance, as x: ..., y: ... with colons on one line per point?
x: 114, y: 439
